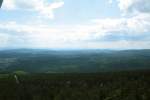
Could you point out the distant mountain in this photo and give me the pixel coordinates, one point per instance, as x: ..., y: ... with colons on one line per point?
x: 84, y: 61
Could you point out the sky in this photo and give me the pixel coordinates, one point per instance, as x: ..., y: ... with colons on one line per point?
x: 75, y: 24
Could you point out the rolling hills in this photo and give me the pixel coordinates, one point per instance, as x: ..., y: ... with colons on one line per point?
x: 72, y: 61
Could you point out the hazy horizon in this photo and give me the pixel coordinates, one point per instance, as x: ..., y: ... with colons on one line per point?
x: 71, y: 49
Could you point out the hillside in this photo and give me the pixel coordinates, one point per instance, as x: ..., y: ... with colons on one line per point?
x: 85, y: 61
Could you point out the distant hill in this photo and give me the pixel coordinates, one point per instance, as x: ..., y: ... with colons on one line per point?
x: 82, y: 61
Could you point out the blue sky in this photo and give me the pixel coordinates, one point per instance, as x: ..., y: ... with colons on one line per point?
x: 75, y: 24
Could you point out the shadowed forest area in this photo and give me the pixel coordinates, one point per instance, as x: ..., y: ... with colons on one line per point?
x: 124, y: 85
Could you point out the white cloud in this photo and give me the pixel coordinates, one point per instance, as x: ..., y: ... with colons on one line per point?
x: 110, y: 1
x: 124, y: 5
x: 139, y: 23
x: 134, y: 6
x: 42, y: 7
x: 9, y: 5
x: 134, y: 25
x: 42, y: 35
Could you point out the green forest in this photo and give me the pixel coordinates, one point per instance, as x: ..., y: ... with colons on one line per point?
x: 123, y: 85
x: 29, y: 74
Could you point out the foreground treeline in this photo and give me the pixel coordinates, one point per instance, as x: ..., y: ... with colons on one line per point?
x: 133, y: 85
